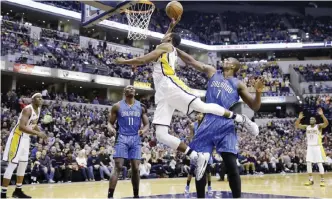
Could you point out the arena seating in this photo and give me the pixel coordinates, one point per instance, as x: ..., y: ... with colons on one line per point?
x: 245, y: 27
x: 322, y: 72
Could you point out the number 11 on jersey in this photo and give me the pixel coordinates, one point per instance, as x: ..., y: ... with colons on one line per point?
x: 131, y: 121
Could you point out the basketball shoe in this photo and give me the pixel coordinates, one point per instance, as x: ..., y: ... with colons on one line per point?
x: 18, y: 193
x: 251, y: 126
x: 210, y: 192
x: 309, y: 183
x: 186, y: 190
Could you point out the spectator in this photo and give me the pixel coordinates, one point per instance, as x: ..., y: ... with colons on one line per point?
x: 93, y: 164
x: 82, y: 164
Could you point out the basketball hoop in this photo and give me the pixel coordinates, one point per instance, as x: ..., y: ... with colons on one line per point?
x: 138, y: 16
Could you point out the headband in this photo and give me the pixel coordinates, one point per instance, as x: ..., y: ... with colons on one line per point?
x: 34, y: 95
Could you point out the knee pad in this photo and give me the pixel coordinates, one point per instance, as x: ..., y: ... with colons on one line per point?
x: 165, y: 138
x: 9, y: 170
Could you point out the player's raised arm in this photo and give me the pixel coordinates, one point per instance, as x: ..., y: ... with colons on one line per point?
x: 152, y: 56
x: 325, y: 121
x: 298, y: 122
x: 253, y: 103
x: 23, y: 126
x: 145, y: 121
x: 209, y: 70
x: 172, y: 25
x: 112, y: 117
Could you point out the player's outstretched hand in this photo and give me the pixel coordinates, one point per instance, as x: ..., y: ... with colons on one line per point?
x: 320, y: 111
x: 42, y: 135
x: 140, y: 132
x: 260, y: 84
x: 301, y: 115
x: 119, y: 60
x: 174, y: 22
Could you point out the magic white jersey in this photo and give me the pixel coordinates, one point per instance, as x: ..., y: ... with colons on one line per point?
x: 165, y: 65
x: 32, y: 122
x: 314, y: 137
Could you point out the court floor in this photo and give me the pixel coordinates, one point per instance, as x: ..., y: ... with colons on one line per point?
x: 264, y: 186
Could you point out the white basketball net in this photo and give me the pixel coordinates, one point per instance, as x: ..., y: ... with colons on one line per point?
x: 138, y: 16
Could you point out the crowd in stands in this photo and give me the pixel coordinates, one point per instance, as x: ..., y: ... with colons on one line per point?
x: 322, y: 72
x: 312, y: 102
x: 276, y: 84
x: 55, y: 51
x: 273, y: 115
x: 79, y: 146
x: 244, y: 27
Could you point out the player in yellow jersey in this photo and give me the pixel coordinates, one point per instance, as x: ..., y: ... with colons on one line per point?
x: 172, y: 93
x: 315, y: 150
x: 18, y: 144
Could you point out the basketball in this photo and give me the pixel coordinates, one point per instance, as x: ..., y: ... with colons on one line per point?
x: 174, y: 10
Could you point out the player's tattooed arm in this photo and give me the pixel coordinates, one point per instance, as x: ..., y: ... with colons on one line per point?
x: 23, y: 124
x: 298, y: 122
x: 150, y: 57
x: 112, y: 118
x: 325, y: 121
x: 145, y: 121
x: 189, y: 60
x: 253, y: 103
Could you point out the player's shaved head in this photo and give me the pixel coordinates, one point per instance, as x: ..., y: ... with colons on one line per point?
x: 236, y: 63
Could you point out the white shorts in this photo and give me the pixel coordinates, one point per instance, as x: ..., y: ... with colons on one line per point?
x: 315, y: 154
x: 171, y: 94
x: 17, y: 148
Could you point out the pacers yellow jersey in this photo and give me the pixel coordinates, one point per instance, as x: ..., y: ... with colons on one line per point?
x: 165, y: 65
x: 32, y: 122
x: 314, y: 136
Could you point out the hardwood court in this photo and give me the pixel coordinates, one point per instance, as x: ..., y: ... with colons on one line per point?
x: 276, y: 185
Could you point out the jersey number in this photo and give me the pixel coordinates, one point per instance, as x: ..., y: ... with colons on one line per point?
x: 131, y: 121
x: 311, y: 137
x: 219, y: 91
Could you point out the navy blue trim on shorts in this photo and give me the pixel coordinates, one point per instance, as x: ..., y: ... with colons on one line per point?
x: 189, y: 106
x: 9, y: 161
x: 161, y: 125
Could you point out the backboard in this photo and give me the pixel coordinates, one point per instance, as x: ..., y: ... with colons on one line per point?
x: 95, y: 11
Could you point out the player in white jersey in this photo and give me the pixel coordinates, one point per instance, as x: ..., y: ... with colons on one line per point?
x: 315, y: 150
x: 18, y: 144
x: 172, y: 93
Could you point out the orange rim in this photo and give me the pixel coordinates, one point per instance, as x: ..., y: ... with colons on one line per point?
x: 140, y: 11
